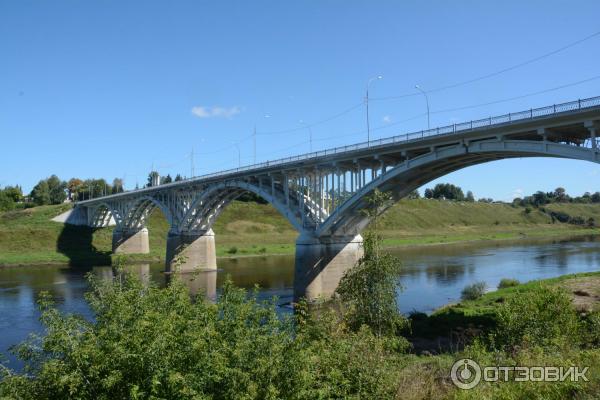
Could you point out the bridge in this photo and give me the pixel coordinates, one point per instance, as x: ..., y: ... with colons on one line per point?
x: 322, y: 193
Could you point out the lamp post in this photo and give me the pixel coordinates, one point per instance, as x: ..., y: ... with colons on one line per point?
x: 367, y: 104
x: 309, y: 134
x: 426, y: 101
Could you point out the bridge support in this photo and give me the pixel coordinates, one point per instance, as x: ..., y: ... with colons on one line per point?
x: 130, y: 241
x: 187, y: 252
x: 322, y: 262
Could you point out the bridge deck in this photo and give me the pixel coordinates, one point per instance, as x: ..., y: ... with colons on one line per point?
x: 564, y: 122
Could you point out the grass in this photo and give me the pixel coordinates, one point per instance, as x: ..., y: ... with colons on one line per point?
x: 479, y: 315
x: 29, y: 237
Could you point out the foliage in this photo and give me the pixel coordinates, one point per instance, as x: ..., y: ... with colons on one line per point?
x: 10, y: 196
x: 544, y: 318
x: 507, y: 282
x: 448, y: 191
x: 369, y: 290
x: 152, y: 343
x: 470, y: 197
x: 40, y: 193
x: 166, y: 179
x: 473, y: 291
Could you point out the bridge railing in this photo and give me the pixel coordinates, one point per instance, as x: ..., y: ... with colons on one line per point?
x: 443, y: 130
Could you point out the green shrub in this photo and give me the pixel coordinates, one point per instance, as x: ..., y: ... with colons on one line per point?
x: 232, y: 250
x: 507, y: 282
x: 262, y: 250
x: 544, y: 317
x: 474, y: 291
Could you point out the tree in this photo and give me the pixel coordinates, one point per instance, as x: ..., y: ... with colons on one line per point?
x: 470, y: 197
x: 560, y: 195
x: 57, y: 189
x: 6, y: 202
x: 178, y: 178
x: 428, y: 193
x: 448, y: 191
x: 540, y: 198
x: 166, y: 179
x: 117, y: 186
x: 41, y: 193
x: 596, y: 197
x: 369, y: 290
x: 14, y: 193
x: 74, y: 186
x: 414, y: 195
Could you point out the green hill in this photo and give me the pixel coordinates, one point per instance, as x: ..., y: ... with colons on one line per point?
x: 28, y: 236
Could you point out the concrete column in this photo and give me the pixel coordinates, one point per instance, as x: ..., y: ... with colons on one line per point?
x: 130, y: 241
x: 322, y: 262
x: 187, y: 252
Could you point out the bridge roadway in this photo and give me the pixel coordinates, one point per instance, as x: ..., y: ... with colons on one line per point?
x: 323, y: 194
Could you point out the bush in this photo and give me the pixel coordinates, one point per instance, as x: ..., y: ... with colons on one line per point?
x: 232, y: 250
x: 506, y: 283
x: 544, y: 317
x: 153, y: 343
x: 474, y: 291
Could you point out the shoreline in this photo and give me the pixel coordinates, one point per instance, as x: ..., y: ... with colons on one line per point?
x: 408, y: 242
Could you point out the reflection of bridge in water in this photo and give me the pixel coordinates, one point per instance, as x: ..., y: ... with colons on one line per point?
x: 323, y: 194
x: 198, y: 283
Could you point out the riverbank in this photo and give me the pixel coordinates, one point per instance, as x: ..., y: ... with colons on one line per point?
x: 250, y: 229
x: 454, y: 325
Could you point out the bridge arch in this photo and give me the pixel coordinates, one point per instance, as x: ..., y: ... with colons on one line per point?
x: 409, y: 175
x: 139, y: 209
x: 208, y: 206
x: 102, y: 214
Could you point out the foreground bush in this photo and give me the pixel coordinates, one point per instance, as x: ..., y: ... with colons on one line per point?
x: 474, y: 291
x: 506, y: 283
x: 544, y: 317
x: 152, y: 343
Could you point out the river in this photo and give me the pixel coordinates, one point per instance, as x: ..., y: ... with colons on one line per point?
x: 431, y: 276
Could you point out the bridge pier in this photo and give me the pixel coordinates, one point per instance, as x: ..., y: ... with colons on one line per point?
x: 187, y: 252
x: 322, y: 262
x: 130, y: 241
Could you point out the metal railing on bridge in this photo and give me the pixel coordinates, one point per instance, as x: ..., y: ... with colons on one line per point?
x: 532, y: 113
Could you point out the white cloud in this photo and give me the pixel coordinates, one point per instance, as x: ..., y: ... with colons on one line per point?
x: 215, y: 112
x: 387, y: 119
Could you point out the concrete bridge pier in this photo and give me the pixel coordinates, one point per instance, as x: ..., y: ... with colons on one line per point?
x: 130, y: 241
x: 322, y: 262
x: 188, y: 252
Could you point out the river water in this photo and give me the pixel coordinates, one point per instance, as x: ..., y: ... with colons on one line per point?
x: 431, y: 275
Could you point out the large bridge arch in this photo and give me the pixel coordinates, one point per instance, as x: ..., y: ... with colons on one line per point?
x: 408, y: 176
x: 209, y: 205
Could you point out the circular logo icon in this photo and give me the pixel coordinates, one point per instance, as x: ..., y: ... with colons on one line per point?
x: 465, y: 374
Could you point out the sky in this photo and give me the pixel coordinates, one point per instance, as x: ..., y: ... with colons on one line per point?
x: 109, y: 89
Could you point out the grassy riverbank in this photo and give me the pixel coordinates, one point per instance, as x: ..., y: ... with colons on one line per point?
x: 245, y: 229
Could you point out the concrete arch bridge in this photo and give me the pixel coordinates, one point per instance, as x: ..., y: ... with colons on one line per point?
x: 322, y: 194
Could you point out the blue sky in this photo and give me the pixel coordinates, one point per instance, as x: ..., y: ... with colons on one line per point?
x: 111, y: 89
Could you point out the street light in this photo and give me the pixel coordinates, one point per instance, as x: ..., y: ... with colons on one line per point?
x: 309, y: 134
x: 367, y: 103
x: 427, y: 101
